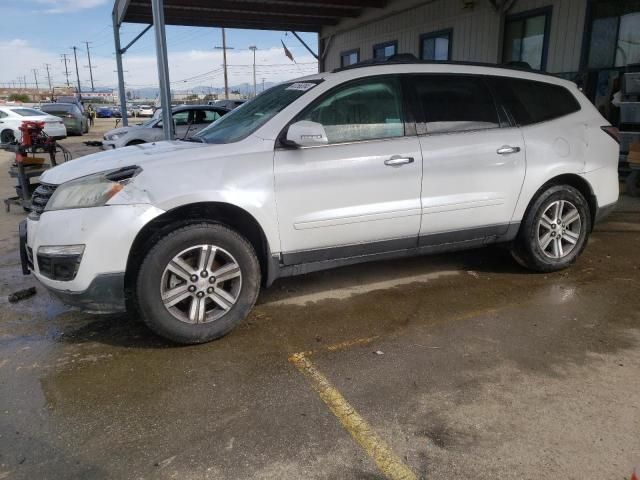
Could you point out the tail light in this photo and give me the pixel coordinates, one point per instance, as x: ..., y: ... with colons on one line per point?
x: 613, y: 132
x: 68, y: 115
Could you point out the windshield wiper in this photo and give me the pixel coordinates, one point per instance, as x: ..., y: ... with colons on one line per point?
x: 193, y: 139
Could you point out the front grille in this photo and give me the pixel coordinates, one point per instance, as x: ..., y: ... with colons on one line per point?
x: 40, y: 198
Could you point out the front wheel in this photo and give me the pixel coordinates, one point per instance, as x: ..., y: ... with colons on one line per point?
x: 555, y: 230
x: 197, y: 283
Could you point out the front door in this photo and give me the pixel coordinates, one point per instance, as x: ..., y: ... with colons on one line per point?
x: 360, y: 193
x: 473, y: 160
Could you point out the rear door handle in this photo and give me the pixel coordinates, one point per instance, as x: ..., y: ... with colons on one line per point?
x: 397, y: 161
x: 507, y: 149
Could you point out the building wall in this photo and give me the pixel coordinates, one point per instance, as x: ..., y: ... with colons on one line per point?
x: 477, y: 31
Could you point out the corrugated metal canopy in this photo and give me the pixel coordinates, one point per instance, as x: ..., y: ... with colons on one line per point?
x: 300, y: 15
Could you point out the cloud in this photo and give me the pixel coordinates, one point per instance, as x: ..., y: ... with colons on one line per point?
x: 62, y: 6
x: 187, y: 68
x: 16, y: 42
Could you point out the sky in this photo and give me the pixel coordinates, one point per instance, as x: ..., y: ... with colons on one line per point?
x: 37, y: 32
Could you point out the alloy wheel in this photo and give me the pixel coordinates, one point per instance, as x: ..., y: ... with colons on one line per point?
x: 559, y: 229
x: 201, y: 284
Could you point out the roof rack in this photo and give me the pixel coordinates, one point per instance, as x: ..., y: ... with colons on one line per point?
x: 409, y: 58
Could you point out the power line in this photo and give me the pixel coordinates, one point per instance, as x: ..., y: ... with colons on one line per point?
x: 46, y: 65
x: 66, y: 68
x: 224, y: 63
x: 35, y: 76
x: 90, y: 69
x: 75, y: 56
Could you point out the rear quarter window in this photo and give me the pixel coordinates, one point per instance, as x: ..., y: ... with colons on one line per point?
x: 533, y: 102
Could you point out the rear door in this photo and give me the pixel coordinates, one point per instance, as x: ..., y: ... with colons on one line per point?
x: 360, y: 193
x: 473, y: 159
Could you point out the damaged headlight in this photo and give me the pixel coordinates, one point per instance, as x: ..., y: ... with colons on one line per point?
x: 91, y: 191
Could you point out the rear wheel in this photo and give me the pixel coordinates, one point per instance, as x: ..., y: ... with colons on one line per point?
x: 555, y: 230
x: 197, y: 283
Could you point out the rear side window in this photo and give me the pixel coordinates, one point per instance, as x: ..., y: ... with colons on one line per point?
x: 532, y: 102
x: 455, y: 103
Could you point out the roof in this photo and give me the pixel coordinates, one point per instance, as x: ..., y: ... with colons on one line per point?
x: 297, y: 15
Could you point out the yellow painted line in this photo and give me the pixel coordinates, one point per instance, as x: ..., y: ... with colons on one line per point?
x: 387, y: 461
x: 350, y: 343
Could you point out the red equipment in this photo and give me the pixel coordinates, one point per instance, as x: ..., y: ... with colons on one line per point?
x: 27, y: 165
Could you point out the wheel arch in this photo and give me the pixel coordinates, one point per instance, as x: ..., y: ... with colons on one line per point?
x: 8, y: 129
x: 576, y: 181
x: 227, y: 214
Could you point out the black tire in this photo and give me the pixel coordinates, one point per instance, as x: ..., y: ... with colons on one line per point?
x: 7, y: 136
x: 135, y: 142
x: 527, y: 249
x: 148, y: 297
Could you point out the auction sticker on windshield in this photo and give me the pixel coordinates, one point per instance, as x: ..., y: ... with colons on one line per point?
x: 302, y: 86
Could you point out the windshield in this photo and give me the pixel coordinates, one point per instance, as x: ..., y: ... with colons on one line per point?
x: 250, y: 116
x: 28, y: 112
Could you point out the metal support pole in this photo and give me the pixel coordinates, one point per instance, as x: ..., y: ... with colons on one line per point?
x: 121, y: 92
x: 157, y: 7
x: 305, y: 44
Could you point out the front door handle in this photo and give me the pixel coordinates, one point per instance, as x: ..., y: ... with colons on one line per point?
x: 507, y: 149
x: 397, y: 161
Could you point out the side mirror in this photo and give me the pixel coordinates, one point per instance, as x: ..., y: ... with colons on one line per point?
x: 306, y: 134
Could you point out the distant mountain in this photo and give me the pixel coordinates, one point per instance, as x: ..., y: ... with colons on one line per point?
x: 245, y: 88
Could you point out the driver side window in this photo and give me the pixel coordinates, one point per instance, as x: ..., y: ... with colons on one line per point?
x: 368, y: 109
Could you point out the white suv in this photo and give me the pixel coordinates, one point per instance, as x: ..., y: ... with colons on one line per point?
x: 364, y: 163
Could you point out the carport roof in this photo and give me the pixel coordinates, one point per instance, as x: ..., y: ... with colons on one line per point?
x: 300, y: 15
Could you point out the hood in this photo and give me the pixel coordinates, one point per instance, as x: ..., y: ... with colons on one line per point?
x: 141, y: 155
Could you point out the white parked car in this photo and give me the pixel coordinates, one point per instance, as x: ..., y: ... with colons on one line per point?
x: 187, y: 120
x: 11, y: 117
x: 365, y: 163
x: 145, y: 111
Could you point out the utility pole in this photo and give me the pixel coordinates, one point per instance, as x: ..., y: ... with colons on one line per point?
x: 46, y: 65
x: 66, y: 68
x: 263, y: 84
x: 253, y: 48
x: 35, y: 76
x: 75, y: 56
x: 224, y: 49
x: 90, y: 69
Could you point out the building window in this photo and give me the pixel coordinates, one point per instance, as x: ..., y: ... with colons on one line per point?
x: 350, y: 57
x: 436, y: 45
x: 526, y: 38
x: 382, y: 51
x: 615, y: 34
